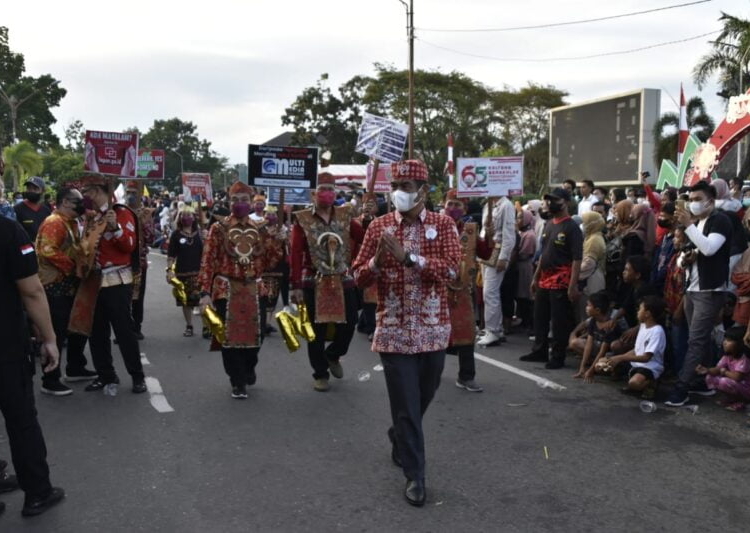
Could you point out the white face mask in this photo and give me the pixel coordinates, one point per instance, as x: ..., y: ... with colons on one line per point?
x: 404, y: 201
x: 697, y: 208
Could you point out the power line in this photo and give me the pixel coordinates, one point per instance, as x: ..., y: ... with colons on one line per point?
x: 567, y: 23
x: 575, y: 58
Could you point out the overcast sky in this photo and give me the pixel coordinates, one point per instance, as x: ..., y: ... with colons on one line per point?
x: 233, y: 66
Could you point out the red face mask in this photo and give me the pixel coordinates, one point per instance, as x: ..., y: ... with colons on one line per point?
x: 325, y: 198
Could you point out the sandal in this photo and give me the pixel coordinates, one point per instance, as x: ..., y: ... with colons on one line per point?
x: 188, y: 331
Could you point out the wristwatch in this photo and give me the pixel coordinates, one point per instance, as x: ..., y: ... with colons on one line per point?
x: 410, y: 260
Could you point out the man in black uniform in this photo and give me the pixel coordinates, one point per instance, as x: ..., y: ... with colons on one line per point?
x: 20, y: 289
x: 32, y: 211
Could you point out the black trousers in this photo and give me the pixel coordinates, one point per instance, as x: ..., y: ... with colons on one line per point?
x: 366, y: 322
x: 554, y: 305
x: 466, y: 365
x: 113, y: 313
x: 240, y: 363
x: 59, y: 308
x: 412, y: 380
x: 317, y: 351
x: 27, y: 447
x: 138, y: 304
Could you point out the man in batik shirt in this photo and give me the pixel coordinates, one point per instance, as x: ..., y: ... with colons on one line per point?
x: 412, y: 255
x: 235, y: 255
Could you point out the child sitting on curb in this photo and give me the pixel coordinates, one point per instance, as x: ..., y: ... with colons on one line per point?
x: 599, y: 337
x: 732, y: 374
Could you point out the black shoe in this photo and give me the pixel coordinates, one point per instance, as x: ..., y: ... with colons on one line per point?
x: 533, y: 357
x: 555, y: 363
x: 415, y: 493
x: 139, y: 386
x: 239, y: 392
x: 139, y: 335
x: 251, y: 378
x: 701, y: 390
x: 206, y: 333
x: 270, y: 329
x: 80, y: 375
x: 677, y: 398
x: 99, y: 384
x: 3, y: 465
x: 36, y: 507
x: 55, y: 388
x: 2, y: 507
x: 8, y: 482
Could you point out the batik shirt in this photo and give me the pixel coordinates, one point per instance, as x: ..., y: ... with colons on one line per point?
x: 56, y: 244
x: 413, y: 314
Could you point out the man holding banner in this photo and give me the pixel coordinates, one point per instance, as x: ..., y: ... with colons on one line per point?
x: 324, y: 240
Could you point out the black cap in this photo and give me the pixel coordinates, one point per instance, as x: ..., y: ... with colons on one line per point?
x: 558, y: 194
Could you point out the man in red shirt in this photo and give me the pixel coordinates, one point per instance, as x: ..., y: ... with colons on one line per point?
x: 117, y: 256
x: 324, y: 240
x: 412, y: 255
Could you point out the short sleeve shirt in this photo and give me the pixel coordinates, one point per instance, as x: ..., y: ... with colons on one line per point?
x: 603, y: 335
x: 562, y: 243
x: 17, y: 261
x: 651, y: 340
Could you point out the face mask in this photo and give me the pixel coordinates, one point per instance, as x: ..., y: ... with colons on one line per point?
x: 544, y: 214
x: 88, y: 203
x: 454, y: 212
x: 259, y: 209
x: 555, y: 208
x: 746, y: 202
x: 241, y: 209
x: 32, y: 197
x: 404, y: 201
x: 697, y: 208
x: 663, y: 223
x: 79, y: 208
x: 325, y: 198
x: 187, y: 221
x: 272, y: 219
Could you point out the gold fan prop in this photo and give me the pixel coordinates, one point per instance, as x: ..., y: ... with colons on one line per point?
x: 294, y: 325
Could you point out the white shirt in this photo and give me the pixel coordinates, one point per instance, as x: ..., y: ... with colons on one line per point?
x: 651, y: 340
x: 584, y: 206
x: 707, y: 245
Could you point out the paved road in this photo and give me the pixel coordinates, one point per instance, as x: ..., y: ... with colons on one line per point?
x: 291, y: 459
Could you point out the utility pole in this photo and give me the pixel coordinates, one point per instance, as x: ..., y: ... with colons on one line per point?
x: 410, y: 35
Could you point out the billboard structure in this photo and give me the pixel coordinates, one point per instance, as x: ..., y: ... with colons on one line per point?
x: 608, y: 140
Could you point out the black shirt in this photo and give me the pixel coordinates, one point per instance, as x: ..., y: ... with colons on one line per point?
x: 187, y: 251
x: 17, y: 261
x: 31, y: 218
x: 631, y: 298
x: 562, y: 243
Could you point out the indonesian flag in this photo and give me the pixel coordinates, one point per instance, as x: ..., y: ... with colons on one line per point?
x: 450, y: 169
x: 684, y: 132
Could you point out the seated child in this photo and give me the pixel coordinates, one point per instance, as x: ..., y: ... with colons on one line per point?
x: 599, y: 338
x: 635, y: 279
x: 647, y: 357
x: 732, y: 374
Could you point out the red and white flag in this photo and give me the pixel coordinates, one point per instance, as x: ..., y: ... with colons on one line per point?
x: 684, y: 132
x: 450, y: 169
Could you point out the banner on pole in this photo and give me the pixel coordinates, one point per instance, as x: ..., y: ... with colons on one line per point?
x: 108, y: 152
x: 490, y: 176
x: 382, y: 180
x: 196, y: 187
x: 150, y: 164
x: 382, y: 138
x: 287, y: 167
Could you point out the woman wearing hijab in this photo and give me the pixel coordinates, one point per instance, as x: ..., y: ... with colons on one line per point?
x: 594, y: 255
x: 524, y: 260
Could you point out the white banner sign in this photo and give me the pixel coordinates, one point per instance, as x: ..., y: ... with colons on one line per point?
x: 382, y: 138
x: 490, y: 176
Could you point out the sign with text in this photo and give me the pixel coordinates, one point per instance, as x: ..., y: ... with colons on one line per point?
x: 291, y: 196
x: 382, y: 180
x: 287, y: 167
x: 196, y: 187
x: 108, y: 152
x: 490, y: 176
x: 150, y: 164
x: 382, y: 138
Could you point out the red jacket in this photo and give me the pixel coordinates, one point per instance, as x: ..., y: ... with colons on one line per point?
x: 116, y: 248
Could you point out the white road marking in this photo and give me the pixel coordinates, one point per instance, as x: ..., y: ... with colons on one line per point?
x: 542, y: 382
x: 158, y: 400
x: 144, y: 361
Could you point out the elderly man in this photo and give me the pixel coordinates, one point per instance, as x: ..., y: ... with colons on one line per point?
x: 324, y: 239
x: 413, y: 255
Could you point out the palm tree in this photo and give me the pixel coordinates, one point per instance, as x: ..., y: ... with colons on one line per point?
x: 22, y: 161
x: 729, y: 54
x: 666, y: 131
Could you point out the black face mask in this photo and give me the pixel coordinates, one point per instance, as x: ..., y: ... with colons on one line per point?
x: 544, y: 214
x: 32, y: 197
x: 555, y: 208
x: 663, y: 223
x: 78, y: 207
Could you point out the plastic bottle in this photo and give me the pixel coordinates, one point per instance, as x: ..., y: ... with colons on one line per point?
x: 648, y: 407
x: 110, y: 389
x: 363, y: 376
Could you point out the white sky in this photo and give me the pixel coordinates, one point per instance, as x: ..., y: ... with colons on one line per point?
x: 233, y: 66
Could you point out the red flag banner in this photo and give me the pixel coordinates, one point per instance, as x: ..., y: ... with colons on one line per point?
x: 114, y: 153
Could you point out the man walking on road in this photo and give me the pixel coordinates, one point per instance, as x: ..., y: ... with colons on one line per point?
x: 21, y: 290
x: 412, y: 254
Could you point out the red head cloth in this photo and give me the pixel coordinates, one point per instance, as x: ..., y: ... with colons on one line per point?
x: 88, y: 181
x: 132, y: 186
x: 411, y: 169
x: 326, y: 178
x: 241, y: 188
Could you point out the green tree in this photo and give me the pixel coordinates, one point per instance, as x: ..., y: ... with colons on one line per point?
x: 728, y: 58
x: 75, y: 136
x: 21, y: 161
x: 174, y: 135
x: 31, y: 97
x: 62, y: 166
x: 667, y: 129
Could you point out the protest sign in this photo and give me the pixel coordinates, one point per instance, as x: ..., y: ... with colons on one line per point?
x: 108, y: 152
x: 382, y: 138
x: 490, y: 176
x: 382, y: 180
x: 291, y: 196
x: 196, y: 187
x: 150, y: 164
x: 287, y: 167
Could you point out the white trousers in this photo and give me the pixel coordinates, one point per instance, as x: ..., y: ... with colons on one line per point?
x: 493, y: 312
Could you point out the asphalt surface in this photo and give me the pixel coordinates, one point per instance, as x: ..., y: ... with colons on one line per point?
x: 517, y: 457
